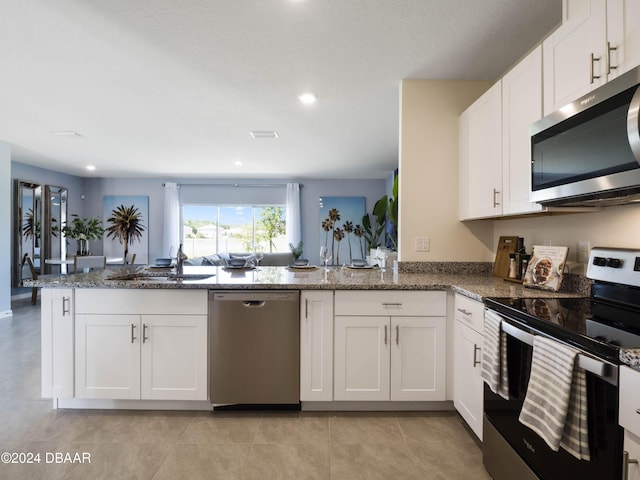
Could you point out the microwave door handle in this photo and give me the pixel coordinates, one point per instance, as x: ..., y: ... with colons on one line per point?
x: 585, y: 362
x: 633, y: 125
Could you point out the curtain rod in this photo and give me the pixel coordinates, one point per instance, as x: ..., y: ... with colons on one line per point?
x: 237, y: 185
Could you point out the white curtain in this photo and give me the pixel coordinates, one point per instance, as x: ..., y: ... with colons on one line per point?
x: 294, y: 234
x: 171, y: 237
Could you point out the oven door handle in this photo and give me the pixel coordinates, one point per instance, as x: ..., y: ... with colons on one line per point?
x: 585, y: 362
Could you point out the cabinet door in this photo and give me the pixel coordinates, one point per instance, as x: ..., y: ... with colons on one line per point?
x: 108, y: 356
x: 418, y: 358
x: 57, y: 327
x: 632, y: 447
x: 316, y: 346
x: 568, y: 70
x: 623, y: 36
x: 173, y: 357
x: 481, y: 156
x: 521, y: 106
x: 361, y: 358
x: 467, y: 383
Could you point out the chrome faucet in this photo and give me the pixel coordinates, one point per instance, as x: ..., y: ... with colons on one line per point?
x: 180, y: 258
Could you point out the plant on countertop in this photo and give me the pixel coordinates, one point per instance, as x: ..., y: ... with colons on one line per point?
x: 385, y: 213
x: 126, y: 226
x: 83, y: 230
x: 296, y: 250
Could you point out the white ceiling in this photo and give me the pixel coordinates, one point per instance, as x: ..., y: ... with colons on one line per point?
x: 171, y: 88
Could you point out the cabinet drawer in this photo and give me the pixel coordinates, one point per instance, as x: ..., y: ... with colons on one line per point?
x: 629, y: 416
x: 141, y: 301
x: 470, y: 312
x: 391, y: 302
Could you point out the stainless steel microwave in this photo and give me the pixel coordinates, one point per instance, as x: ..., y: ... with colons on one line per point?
x: 588, y: 152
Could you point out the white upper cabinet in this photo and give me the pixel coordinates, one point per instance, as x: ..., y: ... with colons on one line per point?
x: 521, y: 106
x: 598, y: 43
x: 480, y: 194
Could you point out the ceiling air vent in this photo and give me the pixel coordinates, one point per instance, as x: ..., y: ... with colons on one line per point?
x: 263, y: 134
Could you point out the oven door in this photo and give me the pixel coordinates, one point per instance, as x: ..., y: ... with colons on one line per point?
x: 605, y: 435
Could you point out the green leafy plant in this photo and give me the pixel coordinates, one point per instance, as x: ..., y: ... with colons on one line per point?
x: 296, y: 250
x: 83, y: 228
x: 125, y: 226
x: 374, y: 229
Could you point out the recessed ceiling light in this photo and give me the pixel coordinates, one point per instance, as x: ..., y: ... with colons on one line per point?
x: 307, y: 98
x: 91, y: 168
x: 237, y: 163
x: 65, y: 133
x: 263, y: 134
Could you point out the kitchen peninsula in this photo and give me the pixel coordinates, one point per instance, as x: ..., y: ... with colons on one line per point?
x: 136, y: 337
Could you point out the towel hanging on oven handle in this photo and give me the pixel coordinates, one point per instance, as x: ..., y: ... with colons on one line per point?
x: 592, y: 365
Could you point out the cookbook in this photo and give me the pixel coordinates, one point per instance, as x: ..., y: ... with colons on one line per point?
x: 546, y: 267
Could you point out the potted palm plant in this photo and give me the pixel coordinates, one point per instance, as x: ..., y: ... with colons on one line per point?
x: 82, y: 230
x: 125, y: 226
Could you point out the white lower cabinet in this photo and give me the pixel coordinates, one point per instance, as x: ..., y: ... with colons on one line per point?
x: 629, y: 418
x: 57, y: 327
x: 467, y: 382
x: 156, y: 352
x: 316, y: 345
x: 151, y: 357
x: 390, y: 346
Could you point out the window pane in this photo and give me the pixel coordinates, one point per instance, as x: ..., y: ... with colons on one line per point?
x: 199, y: 230
x: 209, y: 229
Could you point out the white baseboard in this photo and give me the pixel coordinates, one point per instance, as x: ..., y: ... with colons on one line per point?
x: 104, y: 404
x: 350, y: 406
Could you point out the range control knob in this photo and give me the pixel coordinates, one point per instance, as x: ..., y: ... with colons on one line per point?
x: 599, y: 261
x: 614, y: 262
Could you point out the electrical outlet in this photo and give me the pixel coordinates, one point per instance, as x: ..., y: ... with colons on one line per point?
x: 423, y: 244
x: 546, y: 243
x: 583, y: 251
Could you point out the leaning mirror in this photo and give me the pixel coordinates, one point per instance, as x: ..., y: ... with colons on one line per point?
x: 27, y: 230
x: 55, y: 216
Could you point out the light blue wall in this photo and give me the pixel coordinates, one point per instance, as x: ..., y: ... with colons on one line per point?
x: 94, y: 189
x: 5, y: 233
x: 312, y: 190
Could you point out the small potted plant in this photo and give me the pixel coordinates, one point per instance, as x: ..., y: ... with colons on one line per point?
x: 82, y: 230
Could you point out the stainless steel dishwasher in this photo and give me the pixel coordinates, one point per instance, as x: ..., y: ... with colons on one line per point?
x: 254, y: 347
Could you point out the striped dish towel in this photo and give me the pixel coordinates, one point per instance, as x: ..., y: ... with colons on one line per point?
x: 555, y: 405
x: 493, y: 368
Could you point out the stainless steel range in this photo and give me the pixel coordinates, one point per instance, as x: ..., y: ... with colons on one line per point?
x: 598, y: 327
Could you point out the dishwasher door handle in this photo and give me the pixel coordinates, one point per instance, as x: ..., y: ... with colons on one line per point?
x: 254, y: 303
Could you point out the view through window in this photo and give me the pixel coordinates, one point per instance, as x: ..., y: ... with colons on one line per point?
x: 209, y: 229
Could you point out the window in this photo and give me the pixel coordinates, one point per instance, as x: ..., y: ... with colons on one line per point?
x: 208, y: 229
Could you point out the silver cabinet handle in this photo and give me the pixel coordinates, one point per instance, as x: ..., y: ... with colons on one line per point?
x: 609, y: 50
x: 496, y: 192
x: 593, y: 60
x: 144, y: 333
x: 626, y: 461
x: 464, y: 312
x: 133, y: 334
x: 66, y: 306
x: 476, y: 349
x: 306, y: 308
x: 391, y: 304
x: 385, y: 334
x: 398, y: 335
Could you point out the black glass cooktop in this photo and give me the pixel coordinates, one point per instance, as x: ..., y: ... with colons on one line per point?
x: 593, y: 326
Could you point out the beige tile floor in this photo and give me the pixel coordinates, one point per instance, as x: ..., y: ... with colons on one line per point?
x: 206, y: 445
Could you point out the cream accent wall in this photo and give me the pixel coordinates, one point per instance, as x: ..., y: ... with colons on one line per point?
x: 428, y: 173
x: 609, y: 227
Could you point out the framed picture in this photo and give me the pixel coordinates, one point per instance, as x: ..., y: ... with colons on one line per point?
x: 119, y: 207
x: 350, y: 211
